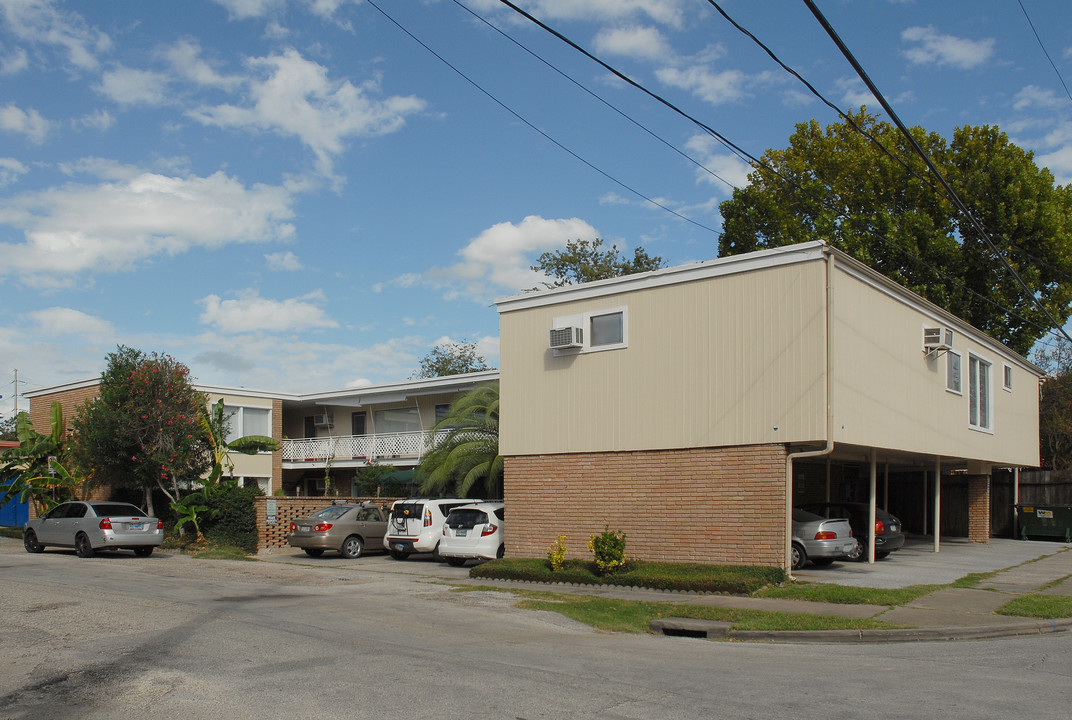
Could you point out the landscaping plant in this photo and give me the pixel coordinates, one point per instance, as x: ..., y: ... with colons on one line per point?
x: 609, y: 550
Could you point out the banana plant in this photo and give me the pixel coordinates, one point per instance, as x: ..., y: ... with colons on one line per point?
x: 26, y: 472
x: 214, y: 422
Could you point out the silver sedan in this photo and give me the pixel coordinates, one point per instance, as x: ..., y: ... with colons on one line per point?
x: 820, y: 540
x: 91, y: 526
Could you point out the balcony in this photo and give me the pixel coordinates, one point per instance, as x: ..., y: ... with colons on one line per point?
x: 411, y: 445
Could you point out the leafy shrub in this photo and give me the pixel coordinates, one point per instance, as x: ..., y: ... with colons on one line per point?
x: 609, y: 550
x: 233, y: 517
x: 556, y: 553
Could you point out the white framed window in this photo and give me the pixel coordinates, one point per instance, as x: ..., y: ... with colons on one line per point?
x: 396, y: 420
x: 607, y: 330
x: 247, y: 421
x: 980, y: 407
x: 1006, y: 378
x: 263, y: 483
x: 952, y: 372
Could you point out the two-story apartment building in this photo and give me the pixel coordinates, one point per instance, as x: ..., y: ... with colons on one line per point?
x: 339, y: 431
x: 692, y: 406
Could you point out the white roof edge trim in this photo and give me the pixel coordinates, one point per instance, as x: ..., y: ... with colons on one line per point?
x: 73, y: 385
x: 732, y: 264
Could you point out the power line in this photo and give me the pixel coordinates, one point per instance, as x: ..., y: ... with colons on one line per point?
x: 546, y: 136
x: 1044, y: 50
x: 598, y: 97
x: 930, y: 164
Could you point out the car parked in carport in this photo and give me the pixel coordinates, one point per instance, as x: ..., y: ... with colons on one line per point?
x: 349, y: 530
x: 888, y: 535
x: 91, y: 526
x: 820, y: 540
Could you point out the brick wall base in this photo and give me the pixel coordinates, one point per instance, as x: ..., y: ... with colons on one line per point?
x: 979, y: 509
x: 723, y: 506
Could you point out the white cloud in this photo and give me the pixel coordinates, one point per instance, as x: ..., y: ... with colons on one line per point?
x: 855, y: 93
x: 294, y: 97
x: 185, y: 58
x: 41, y: 22
x: 708, y: 85
x: 406, y: 280
x: 67, y: 321
x: 134, y: 216
x: 10, y: 170
x: 14, y: 63
x: 245, y: 9
x: 667, y: 12
x: 1059, y: 163
x: 730, y: 168
x: 130, y: 86
x: 1033, y: 96
x: 636, y: 41
x: 499, y: 259
x: 99, y: 120
x: 30, y: 124
x: 251, y: 313
x: 934, y: 48
x: 283, y: 261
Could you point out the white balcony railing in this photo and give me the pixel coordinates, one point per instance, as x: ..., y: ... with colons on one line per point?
x: 358, y: 447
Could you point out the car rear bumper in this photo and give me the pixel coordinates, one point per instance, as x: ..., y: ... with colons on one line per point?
x: 890, y: 543
x: 839, y: 547
x: 313, y: 542
x: 109, y: 538
x: 409, y: 544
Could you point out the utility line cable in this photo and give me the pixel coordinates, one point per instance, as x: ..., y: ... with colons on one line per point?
x: 930, y: 164
x: 595, y: 95
x: 1044, y: 50
x: 757, y: 162
x: 546, y: 136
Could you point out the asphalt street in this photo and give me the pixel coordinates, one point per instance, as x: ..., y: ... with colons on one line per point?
x: 119, y: 637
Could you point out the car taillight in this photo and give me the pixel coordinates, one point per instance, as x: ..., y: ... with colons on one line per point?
x: 159, y: 524
x: 106, y: 524
x: 293, y: 527
x: 321, y: 527
x: 880, y: 527
x: 825, y: 535
x: 428, y: 518
x: 489, y: 529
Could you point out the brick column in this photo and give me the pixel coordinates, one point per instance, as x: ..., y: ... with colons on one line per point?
x: 979, y: 508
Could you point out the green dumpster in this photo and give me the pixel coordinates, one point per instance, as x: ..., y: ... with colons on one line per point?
x: 1045, y: 521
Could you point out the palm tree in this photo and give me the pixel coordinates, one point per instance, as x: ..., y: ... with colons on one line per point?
x: 466, y: 448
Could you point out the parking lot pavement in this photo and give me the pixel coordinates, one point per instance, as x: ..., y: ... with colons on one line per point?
x: 917, y: 563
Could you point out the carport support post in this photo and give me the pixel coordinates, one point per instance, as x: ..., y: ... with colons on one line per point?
x: 871, y: 508
x: 937, y: 501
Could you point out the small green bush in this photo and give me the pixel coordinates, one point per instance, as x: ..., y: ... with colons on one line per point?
x: 234, y: 520
x: 609, y: 550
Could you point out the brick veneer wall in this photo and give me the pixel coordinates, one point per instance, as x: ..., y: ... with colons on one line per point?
x: 979, y: 508
x: 292, y: 508
x: 41, y: 407
x: 707, y: 505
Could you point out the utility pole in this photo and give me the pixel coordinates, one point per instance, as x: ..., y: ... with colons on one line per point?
x: 16, y: 392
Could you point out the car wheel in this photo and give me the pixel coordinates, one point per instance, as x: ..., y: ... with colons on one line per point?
x: 29, y: 541
x: 501, y: 552
x: 858, y: 553
x: 82, y: 547
x: 435, y: 554
x: 880, y: 555
x: 144, y: 551
x: 822, y: 562
x: 455, y: 562
x: 398, y: 554
x: 799, y: 557
x: 351, y: 547
x: 313, y: 552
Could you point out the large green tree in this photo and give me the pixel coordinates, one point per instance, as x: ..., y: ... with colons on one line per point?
x: 144, y: 429
x: 1055, y: 406
x: 451, y: 359
x: 466, y: 448
x: 585, y: 260
x: 837, y: 186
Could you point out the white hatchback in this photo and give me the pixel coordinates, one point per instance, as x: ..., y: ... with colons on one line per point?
x: 473, y: 532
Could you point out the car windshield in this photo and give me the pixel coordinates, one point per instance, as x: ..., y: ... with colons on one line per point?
x: 463, y: 519
x: 332, y: 513
x: 120, y: 509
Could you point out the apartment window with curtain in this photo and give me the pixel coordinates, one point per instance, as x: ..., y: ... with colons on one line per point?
x: 952, y: 372
x: 980, y: 411
x: 247, y: 421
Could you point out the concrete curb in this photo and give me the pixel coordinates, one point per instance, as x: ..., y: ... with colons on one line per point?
x: 1011, y: 629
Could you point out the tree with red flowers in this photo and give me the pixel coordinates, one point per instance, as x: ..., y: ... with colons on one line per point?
x: 143, y: 430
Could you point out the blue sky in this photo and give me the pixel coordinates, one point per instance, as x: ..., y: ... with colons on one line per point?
x: 298, y: 196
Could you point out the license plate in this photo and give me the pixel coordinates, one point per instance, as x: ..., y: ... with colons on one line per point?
x: 304, y: 528
x: 398, y: 546
x: 462, y: 533
x: 135, y: 526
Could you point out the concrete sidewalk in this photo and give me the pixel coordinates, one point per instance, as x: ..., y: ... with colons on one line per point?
x: 947, y: 614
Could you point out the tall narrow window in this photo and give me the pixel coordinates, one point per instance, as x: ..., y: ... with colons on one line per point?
x: 1006, y: 377
x: 979, y: 408
x: 952, y: 372
x: 357, y: 423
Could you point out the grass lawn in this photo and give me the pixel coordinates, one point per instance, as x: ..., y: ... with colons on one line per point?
x: 1044, y: 607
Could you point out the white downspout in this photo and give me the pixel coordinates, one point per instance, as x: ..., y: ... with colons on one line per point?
x: 829, y: 428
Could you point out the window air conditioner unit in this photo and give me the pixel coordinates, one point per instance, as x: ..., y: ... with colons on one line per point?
x: 937, y: 338
x: 324, y: 420
x: 567, y: 337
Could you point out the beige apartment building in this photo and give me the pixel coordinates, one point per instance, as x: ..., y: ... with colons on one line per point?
x: 693, y: 406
